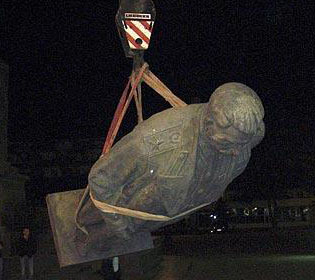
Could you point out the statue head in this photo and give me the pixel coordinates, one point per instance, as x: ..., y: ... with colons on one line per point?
x: 234, y: 118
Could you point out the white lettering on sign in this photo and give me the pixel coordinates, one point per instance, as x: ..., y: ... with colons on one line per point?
x: 137, y: 16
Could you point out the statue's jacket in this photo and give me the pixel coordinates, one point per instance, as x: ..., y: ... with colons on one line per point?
x: 165, y: 165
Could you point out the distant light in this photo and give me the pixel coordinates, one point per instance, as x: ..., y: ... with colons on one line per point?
x: 255, y: 208
x: 219, y: 229
x: 214, y: 217
x: 246, y: 212
x: 211, y: 216
x: 296, y: 258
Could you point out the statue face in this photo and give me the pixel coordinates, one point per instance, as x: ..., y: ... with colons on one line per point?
x: 223, y: 137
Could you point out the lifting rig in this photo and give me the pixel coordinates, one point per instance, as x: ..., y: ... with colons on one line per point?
x: 135, y: 21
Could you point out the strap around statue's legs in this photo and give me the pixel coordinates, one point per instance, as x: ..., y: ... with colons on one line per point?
x: 111, y: 209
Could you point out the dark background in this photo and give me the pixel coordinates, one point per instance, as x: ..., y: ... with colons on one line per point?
x: 68, y: 70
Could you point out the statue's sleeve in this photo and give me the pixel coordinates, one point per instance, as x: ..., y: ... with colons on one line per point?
x: 124, y: 163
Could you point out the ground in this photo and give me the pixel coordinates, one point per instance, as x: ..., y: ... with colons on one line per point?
x: 233, y: 267
x: 218, y: 267
x: 192, y: 257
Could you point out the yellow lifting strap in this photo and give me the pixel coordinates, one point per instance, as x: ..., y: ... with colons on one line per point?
x: 152, y: 81
x: 111, y: 209
x: 143, y: 75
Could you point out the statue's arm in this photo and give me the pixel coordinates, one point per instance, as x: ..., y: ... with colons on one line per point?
x: 121, y: 166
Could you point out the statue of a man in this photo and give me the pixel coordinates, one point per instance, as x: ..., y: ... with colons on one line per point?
x: 175, y: 161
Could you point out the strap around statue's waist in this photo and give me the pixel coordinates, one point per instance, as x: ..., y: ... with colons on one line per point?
x: 111, y: 209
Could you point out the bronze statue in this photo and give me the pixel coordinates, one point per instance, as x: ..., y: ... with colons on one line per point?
x: 169, y: 166
x: 177, y: 160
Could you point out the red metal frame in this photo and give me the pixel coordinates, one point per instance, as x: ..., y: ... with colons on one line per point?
x: 121, y: 110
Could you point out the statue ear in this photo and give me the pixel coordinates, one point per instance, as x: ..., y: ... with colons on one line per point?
x: 259, y: 135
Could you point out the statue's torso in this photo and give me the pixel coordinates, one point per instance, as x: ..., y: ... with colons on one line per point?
x: 214, y: 171
x: 181, y: 170
x: 166, y: 167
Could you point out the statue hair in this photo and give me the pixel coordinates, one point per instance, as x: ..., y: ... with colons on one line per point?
x: 241, y: 106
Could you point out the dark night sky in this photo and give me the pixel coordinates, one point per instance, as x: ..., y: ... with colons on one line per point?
x: 67, y: 69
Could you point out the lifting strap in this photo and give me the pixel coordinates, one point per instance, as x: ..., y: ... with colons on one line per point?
x: 112, y: 209
x: 121, y: 109
x: 151, y: 80
x: 145, y: 75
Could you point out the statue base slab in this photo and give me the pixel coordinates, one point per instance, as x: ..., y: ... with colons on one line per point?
x: 61, y: 209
